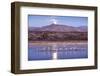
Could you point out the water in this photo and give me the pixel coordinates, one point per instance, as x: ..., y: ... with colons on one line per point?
x: 39, y: 53
x: 68, y: 51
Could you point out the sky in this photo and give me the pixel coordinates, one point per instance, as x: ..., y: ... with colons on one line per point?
x: 43, y: 20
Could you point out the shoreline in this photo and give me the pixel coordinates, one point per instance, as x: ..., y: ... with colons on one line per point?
x: 57, y: 42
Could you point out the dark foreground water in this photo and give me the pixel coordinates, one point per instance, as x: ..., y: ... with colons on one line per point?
x: 67, y: 51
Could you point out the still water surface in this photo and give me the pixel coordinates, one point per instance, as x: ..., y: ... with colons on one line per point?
x: 68, y: 51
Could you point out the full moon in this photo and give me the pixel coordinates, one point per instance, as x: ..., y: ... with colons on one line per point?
x: 54, y: 21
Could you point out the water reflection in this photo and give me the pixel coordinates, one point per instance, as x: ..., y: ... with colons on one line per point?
x: 50, y: 52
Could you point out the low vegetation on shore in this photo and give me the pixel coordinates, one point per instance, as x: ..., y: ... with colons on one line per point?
x: 56, y: 36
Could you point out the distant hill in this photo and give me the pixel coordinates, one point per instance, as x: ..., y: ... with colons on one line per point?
x: 59, y: 28
x: 83, y: 28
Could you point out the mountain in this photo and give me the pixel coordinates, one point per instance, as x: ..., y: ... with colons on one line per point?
x: 33, y: 28
x: 59, y: 28
x: 83, y: 28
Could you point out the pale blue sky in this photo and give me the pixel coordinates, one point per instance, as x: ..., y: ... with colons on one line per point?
x: 43, y: 20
